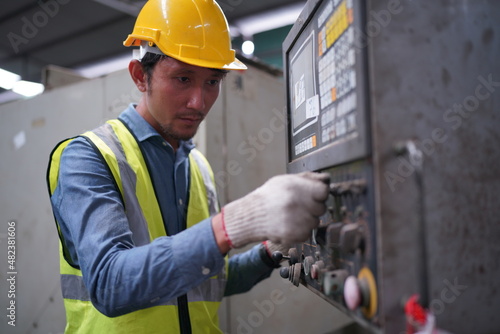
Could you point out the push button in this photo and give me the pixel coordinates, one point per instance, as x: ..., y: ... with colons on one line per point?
x: 361, y: 292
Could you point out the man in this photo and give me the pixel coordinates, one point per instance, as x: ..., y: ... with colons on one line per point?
x: 143, y: 246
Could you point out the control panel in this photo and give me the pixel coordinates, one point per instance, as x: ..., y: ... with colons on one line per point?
x: 339, y: 260
x: 328, y: 131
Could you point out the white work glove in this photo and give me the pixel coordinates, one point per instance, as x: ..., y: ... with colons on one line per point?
x: 284, y: 210
x: 272, y: 247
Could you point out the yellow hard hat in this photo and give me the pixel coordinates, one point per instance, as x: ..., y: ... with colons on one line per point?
x: 192, y: 31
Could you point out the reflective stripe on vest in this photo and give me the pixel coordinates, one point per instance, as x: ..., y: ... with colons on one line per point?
x: 122, y: 154
x: 72, y: 287
x: 137, y: 222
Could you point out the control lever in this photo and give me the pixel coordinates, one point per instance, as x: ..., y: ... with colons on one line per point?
x: 293, y: 256
x: 278, y: 257
x: 292, y: 272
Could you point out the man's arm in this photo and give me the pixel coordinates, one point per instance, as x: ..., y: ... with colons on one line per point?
x: 248, y: 268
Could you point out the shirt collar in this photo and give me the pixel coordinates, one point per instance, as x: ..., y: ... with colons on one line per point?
x: 143, y: 130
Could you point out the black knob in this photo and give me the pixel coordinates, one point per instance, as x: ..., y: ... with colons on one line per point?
x: 285, y: 272
x: 277, y: 256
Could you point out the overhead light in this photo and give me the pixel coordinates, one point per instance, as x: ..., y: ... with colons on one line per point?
x: 28, y: 88
x: 8, y: 79
x: 248, y: 48
x: 8, y: 96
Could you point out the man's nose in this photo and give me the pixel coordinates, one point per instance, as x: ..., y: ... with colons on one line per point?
x: 197, y: 99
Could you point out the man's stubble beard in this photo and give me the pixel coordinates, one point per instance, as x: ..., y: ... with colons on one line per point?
x: 169, y: 132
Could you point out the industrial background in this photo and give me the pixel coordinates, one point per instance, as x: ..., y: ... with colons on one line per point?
x: 420, y: 61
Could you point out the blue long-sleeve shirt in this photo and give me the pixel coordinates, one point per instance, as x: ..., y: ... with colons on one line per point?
x: 119, y: 276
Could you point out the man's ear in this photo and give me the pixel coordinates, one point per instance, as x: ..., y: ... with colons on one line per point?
x: 138, y: 75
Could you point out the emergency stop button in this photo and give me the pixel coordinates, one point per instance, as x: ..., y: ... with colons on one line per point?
x: 361, y: 292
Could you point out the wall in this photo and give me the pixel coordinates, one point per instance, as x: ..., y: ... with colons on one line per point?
x: 434, y: 79
x: 29, y: 130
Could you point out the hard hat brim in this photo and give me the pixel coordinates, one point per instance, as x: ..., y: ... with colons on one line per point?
x: 235, y: 65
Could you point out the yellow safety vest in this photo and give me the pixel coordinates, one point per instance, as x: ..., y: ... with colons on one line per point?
x: 122, y: 154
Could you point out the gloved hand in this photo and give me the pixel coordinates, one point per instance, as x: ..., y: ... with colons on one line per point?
x: 284, y: 210
x: 272, y: 247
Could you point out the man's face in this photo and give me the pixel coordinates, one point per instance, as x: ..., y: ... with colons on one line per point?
x: 178, y: 97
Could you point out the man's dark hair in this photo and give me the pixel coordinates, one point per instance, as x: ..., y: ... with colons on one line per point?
x: 149, y: 62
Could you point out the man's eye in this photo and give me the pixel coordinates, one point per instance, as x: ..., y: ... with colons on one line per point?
x: 213, y: 82
x: 183, y: 79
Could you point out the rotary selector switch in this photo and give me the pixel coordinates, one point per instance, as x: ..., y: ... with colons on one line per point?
x: 293, y: 255
x: 292, y: 273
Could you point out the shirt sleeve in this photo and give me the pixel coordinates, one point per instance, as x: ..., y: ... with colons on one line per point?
x: 246, y: 270
x: 121, y: 277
